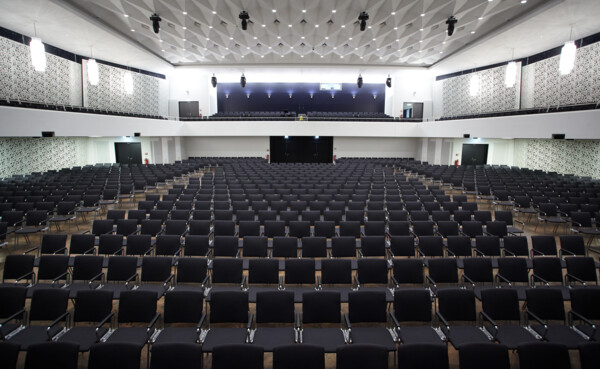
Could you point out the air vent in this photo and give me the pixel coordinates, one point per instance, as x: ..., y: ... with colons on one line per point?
x: 145, y: 26
x: 280, y: 44
x: 223, y: 23
x: 409, y: 48
x: 197, y: 24
x: 276, y: 21
x: 258, y: 44
x: 237, y: 45
x: 170, y: 25
x: 302, y: 44
x: 430, y: 49
x: 356, y: 22
x: 330, y: 21
x: 173, y: 47
x: 324, y: 45
x: 303, y: 21
x: 389, y: 47
x: 409, y: 25
x: 461, y: 28
x: 383, y: 24
x: 346, y: 45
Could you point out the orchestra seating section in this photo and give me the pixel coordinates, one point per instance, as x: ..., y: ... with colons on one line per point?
x: 359, y: 116
x: 254, y: 115
x: 373, y: 259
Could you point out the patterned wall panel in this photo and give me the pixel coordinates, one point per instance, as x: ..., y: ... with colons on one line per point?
x: 60, y: 84
x: 543, y: 85
x: 493, y: 94
x: 578, y: 157
x: 110, y: 92
x: 26, y: 155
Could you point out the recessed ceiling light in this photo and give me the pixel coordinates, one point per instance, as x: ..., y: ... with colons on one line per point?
x: 377, y: 49
x: 421, y: 29
x: 160, y: 40
x: 334, y: 11
x: 420, y: 51
x: 326, y: 37
x: 322, y: 56
x: 303, y: 10
x: 255, y: 37
x: 480, y: 18
x: 210, y: 27
x: 422, y: 14
x: 274, y: 10
x: 226, y: 48
x: 282, y: 56
x: 183, y: 49
x: 214, y: 12
x: 270, y: 47
x: 205, y: 49
x: 207, y: 39
x: 393, y: 13
x: 397, y: 40
x: 441, y: 52
x: 343, y: 26
x: 302, y: 37
x: 248, y: 47
x: 381, y: 57
x: 341, y: 56
x: 356, y: 48
x: 361, y: 57
x: 316, y: 26
x: 395, y: 28
x: 184, y: 13
x: 132, y: 30
x: 444, y: 43
x: 184, y: 40
x: 472, y: 32
x: 335, y: 48
x: 350, y: 39
x: 163, y: 50
x: 420, y: 41
x: 302, y: 56
x: 242, y: 56
x: 184, y: 28
x: 289, y: 25
x: 369, y: 27
x: 279, y: 37
x: 262, y: 56
x: 231, y: 38
x: 264, y: 25
x: 126, y: 15
x: 291, y: 47
x: 374, y: 39
x: 523, y: 1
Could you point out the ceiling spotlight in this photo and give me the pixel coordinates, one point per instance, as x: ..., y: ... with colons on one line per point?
x: 359, y: 81
x: 388, y: 81
x: 363, y: 18
x: 244, y: 17
x: 213, y: 81
x: 243, y: 81
x: 451, y: 22
x: 155, y: 22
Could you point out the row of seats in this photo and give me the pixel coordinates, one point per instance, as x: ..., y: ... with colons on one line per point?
x: 550, y: 109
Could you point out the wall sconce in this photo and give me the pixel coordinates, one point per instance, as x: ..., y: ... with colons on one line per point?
x: 374, y: 96
x: 332, y: 96
x: 290, y: 95
x: 248, y: 95
x: 311, y: 95
x: 227, y: 96
x: 354, y: 96
x: 269, y: 95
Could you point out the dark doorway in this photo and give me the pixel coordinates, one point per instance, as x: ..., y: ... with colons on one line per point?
x: 301, y: 149
x: 189, y: 110
x: 474, y: 154
x: 128, y: 152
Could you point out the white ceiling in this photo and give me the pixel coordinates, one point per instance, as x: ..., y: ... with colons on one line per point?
x: 401, y: 33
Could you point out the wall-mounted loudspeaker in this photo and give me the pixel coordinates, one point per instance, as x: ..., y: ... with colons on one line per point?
x: 137, y: 134
x: 47, y: 133
x: 467, y: 135
x: 558, y: 136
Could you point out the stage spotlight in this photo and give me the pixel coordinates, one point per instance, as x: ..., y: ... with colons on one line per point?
x: 244, y: 17
x: 243, y: 80
x: 388, y: 81
x: 363, y: 18
x: 451, y: 22
x: 213, y: 80
x: 359, y: 81
x: 155, y: 22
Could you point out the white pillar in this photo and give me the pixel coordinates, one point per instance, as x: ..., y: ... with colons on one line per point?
x: 165, y: 150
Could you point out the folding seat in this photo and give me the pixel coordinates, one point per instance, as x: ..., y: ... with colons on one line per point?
x: 580, y: 269
x: 544, y: 305
x: 199, y: 227
x: 355, y: 216
x: 226, y: 356
x: 137, y: 215
x: 147, y: 206
x: 376, y: 215
x: 51, y: 244
x: 161, y: 215
x: 516, y: 246
x: 350, y: 228
x: 222, y: 205
x: 176, y: 227
x: 357, y: 205
x: 10, y: 353
x: 226, y: 246
x: 249, y: 228
x: 181, y: 308
x: 324, y: 229
x: 52, y: 269
x: 224, y: 228
x: 483, y: 355
x: 191, y: 274
x: 430, y: 246
x: 319, y: 206
x: 543, y: 355
x: 227, y: 308
x: 333, y: 215
x: 121, y: 272
x: 299, y: 229
x: 461, y: 216
x: 298, y: 357
x: 278, y: 205
x: 89, y: 204
x: 274, y: 307
x: 447, y: 228
x: 402, y: 246
x: 440, y: 216
x: 572, y: 245
x: 298, y: 205
x: 223, y: 214
x: 372, y: 246
x: 372, y: 274
x: 285, y: 247
x: 343, y: 246
x: 274, y: 228
x: 419, y: 215
x: 374, y: 228
x: 202, y: 205
x: 314, y: 247
x: 288, y: 216
x: 398, y: 228
x: 506, y: 216
x: 369, y: 307
x: 240, y: 205
x: 156, y: 276
x: 176, y: 356
x: 242, y: 215
x: 543, y: 246
x: 423, y: 228
x: 255, y: 246
x: 414, y: 305
x: 52, y: 355
x: 459, y: 305
x: 337, y: 205
x: 311, y: 216
x: 110, y: 244
x: 549, y: 214
x: 48, y: 304
x: 423, y: 355
x: 487, y: 246
x: 442, y: 271
x: 335, y: 272
x: 584, y: 311
x: 13, y: 305
x: 36, y: 221
x: 168, y: 245
x: 397, y: 215
x: 548, y: 270
x: 266, y: 215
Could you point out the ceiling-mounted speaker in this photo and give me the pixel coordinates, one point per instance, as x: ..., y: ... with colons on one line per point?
x: 136, y: 134
x: 388, y: 81
x: 359, y: 81
x: 558, y: 136
x: 466, y: 135
x: 51, y: 134
x: 213, y: 80
x: 243, y: 81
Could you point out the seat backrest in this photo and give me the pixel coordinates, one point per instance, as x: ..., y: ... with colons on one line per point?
x: 548, y: 268
x: 114, y: 355
x: 412, y: 305
x: 48, y: 303
x: 336, y: 271
x: 300, y: 271
x: 483, y: 355
x: 367, y: 306
x: 52, y: 355
x: 227, y: 270
x: 457, y: 304
x: 229, y: 307
x: 321, y: 307
x: 13, y: 300
x: 275, y: 307
x: 237, y: 356
x: 501, y: 303
x: 191, y: 270
x: 183, y: 306
x: 137, y: 306
x: 92, y: 305
x: 546, y: 303
x: 427, y: 355
x: 299, y: 357
x: 361, y: 356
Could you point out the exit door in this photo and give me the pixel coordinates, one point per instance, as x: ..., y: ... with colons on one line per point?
x: 474, y: 154
x: 128, y: 152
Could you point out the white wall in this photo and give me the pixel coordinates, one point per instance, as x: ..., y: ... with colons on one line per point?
x: 102, y: 149
x: 500, y: 151
x: 225, y: 146
x: 374, y: 147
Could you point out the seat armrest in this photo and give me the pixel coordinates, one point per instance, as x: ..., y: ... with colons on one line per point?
x: 535, y: 277
x: 90, y: 250
x: 151, y: 325
x: 319, y: 284
x: 571, y: 277
x: 249, y: 328
x: 96, y: 277
x: 576, y: 315
x: 104, y: 321
x: 25, y: 276
x: 395, y: 281
x: 485, y: 316
x: 442, y: 320
x: 31, y: 250
x: 281, y: 286
x: 467, y: 279
x: 62, y: 250
x: 55, y: 322
x: 14, y: 316
x: 64, y: 276
x: 535, y: 252
x: 450, y: 252
x: 501, y: 277
x: 508, y: 251
x: 167, y: 281
x: 356, y: 282
x: 120, y: 251
x: 243, y: 283
x: 135, y: 276
x: 561, y: 251
x: 538, y: 319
